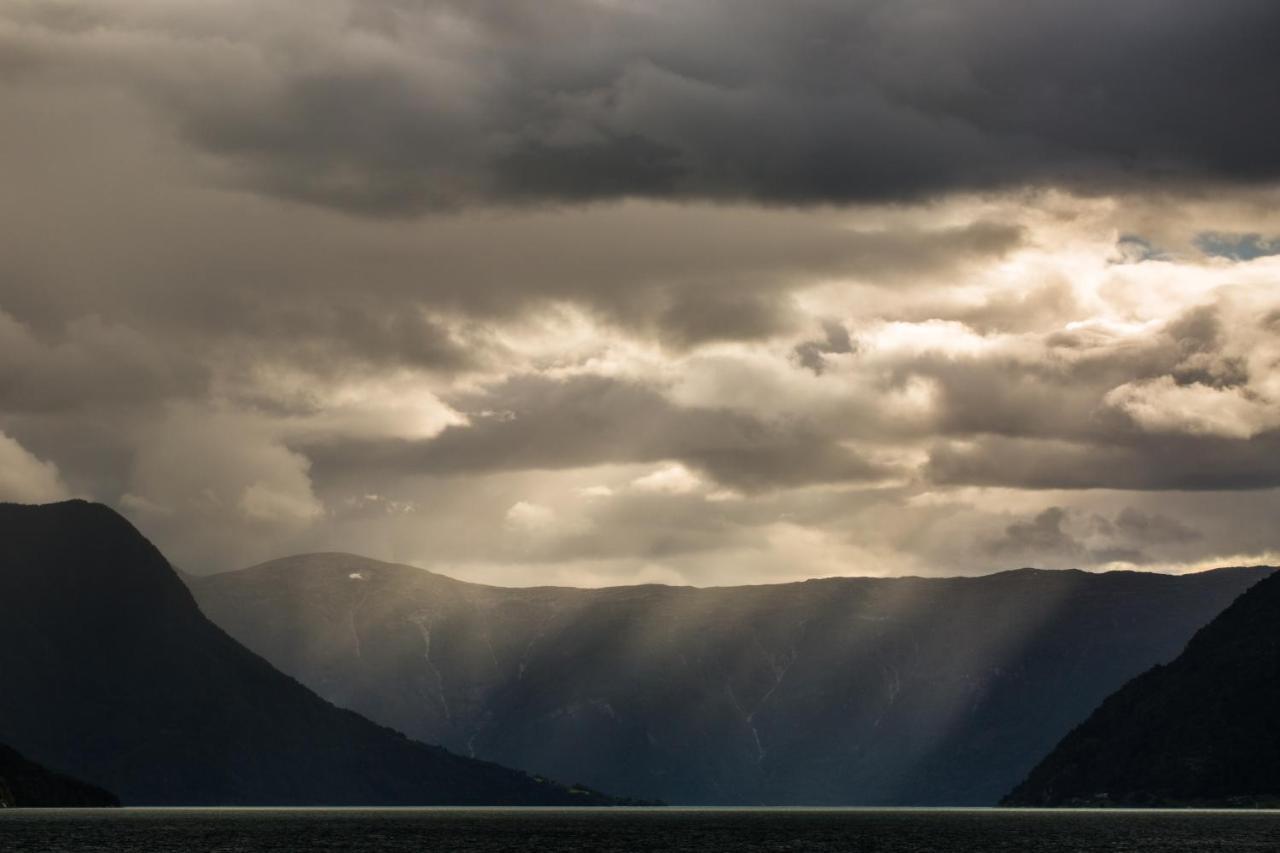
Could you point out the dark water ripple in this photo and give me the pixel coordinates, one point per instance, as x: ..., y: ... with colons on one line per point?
x: 617, y: 830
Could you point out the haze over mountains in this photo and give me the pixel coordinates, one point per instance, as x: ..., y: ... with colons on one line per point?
x: 1204, y: 729
x: 109, y: 672
x: 841, y: 691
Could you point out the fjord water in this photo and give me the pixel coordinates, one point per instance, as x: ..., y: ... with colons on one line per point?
x: 626, y: 830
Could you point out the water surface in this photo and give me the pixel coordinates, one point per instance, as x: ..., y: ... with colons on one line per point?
x: 610, y: 830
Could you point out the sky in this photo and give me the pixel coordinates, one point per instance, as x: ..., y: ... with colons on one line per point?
x: 622, y: 291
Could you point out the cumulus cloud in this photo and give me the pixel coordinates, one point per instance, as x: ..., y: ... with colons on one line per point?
x: 532, y: 422
x: 529, y: 516
x: 672, y: 479
x: 205, y: 472
x: 1056, y: 537
x: 1162, y: 405
x: 26, y: 479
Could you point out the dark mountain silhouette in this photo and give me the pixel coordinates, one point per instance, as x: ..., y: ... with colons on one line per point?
x: 1202, y: 731
x: 841, y: 691
x: 25, y: 784
x: 109, y: 672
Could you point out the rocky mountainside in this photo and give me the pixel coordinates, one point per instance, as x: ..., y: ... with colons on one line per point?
x: 25, y: 784
x: 842, y: 691
x: 1202, y: 731
x: 109, y: 672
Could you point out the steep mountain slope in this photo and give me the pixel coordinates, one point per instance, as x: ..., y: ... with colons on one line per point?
x: 111, y: 673
x: 25, y: 784
x: 844, y: 691
x: 1203, y: 730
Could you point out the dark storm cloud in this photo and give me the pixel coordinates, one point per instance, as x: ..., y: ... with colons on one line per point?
x: 149, y: 244
x: 1153, y: 528
x: 335, y: 335
x: 533, y: 422
x: 1057, y: 533
x: 1046, y: 538
x: 1191, y: 463
x: 1042, y: 534
x: 1198, y: 338
x: 809, y: 354
x: 400, y: 107
x: 89, y: 363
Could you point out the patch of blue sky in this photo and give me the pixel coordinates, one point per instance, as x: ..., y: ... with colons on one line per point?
x: 1237, y: 247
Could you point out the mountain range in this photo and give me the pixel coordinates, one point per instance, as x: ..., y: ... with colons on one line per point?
x: 1202, y: 731
x: 110, y: 673
x: 24, y: 783
x: 904, y: 691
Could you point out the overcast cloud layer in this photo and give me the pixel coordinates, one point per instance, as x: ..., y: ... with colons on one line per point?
x: 600, y: 292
